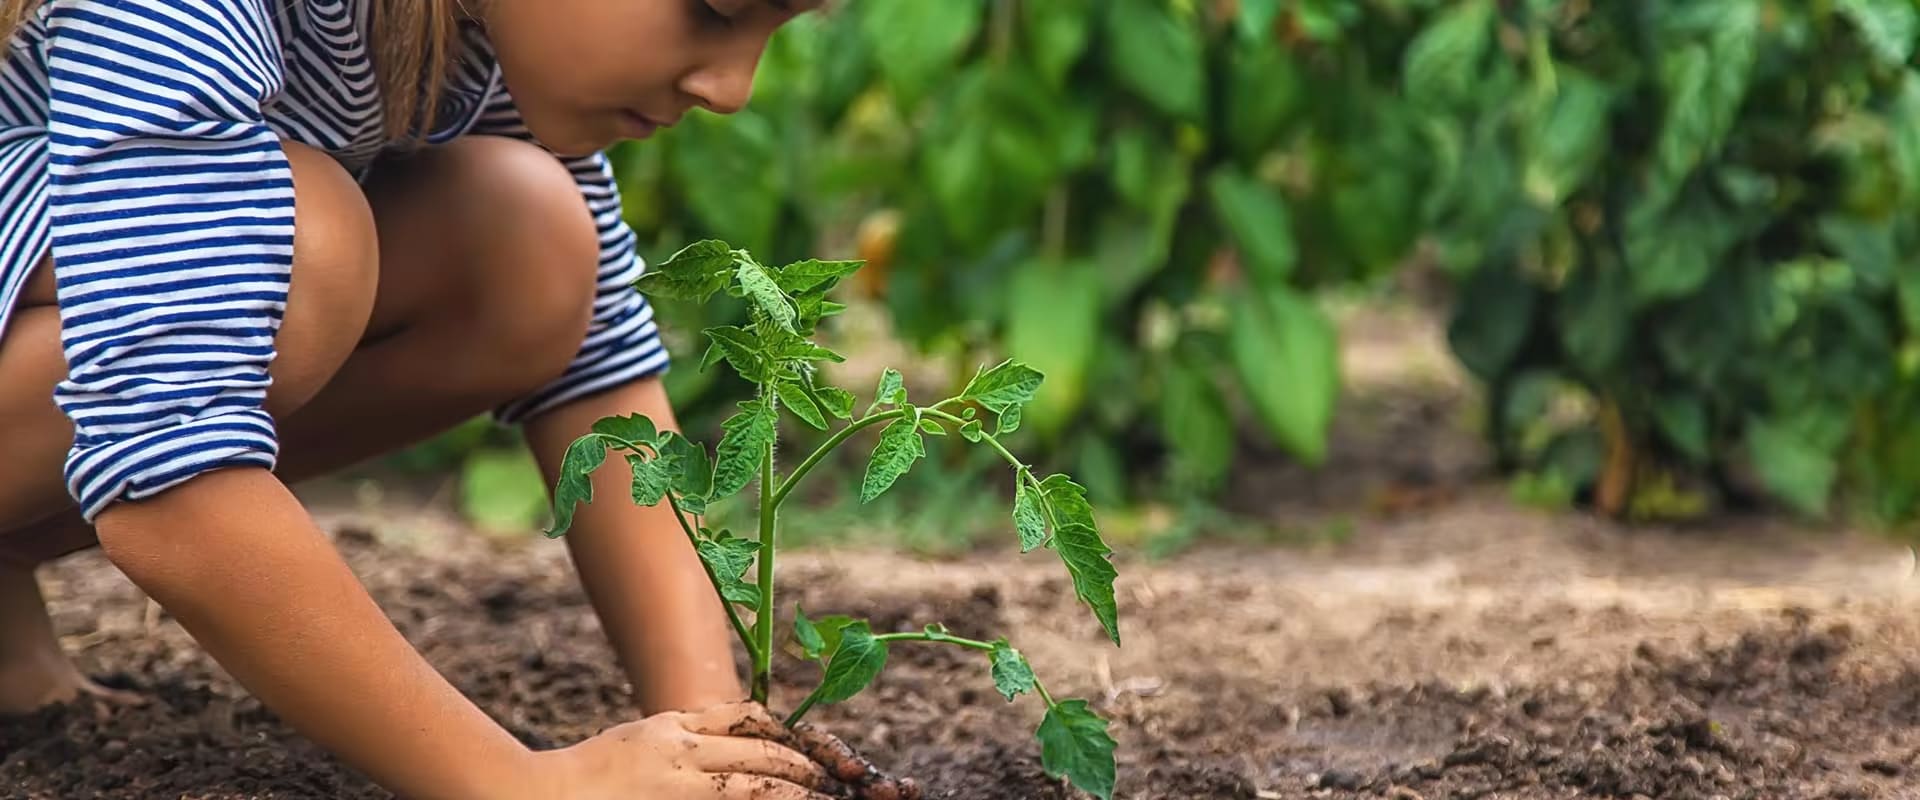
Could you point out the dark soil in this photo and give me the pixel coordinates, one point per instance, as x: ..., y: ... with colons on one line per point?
x: 1384, y: 669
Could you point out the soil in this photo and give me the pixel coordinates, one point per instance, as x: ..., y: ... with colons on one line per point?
x: 1474, y: 652
x: 1445, y: 645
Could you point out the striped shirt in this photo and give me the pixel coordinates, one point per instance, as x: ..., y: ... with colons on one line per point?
x: 139, y: 144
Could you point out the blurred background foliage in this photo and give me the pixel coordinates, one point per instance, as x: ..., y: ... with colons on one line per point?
x: 1678, y: 242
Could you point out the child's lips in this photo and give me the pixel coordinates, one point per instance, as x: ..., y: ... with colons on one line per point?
x: 635, y: 125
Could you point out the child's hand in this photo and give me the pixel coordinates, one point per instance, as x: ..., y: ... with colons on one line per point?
x: 722, y: 753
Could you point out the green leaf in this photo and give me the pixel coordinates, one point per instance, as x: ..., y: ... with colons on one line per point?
x: 1566, y: 143
x: 900, y: 446
x: 1158, y: 56
x: 1287, y: 354
x: 694, y: 273
x: 972, y: 431
x: 1056, y: 34
x: 740, y: 349
x: 1256, y: 20
x: 1683, y: 419
x: 835, y: 400
x: 916, y: 43
x: 693, y: 476
x: 821, y: 636
x: 636, y: 428
x: 1595, y: 316
x: 1265, y: 92
x: 1704, y: 84
x: 1256, y: 216
x: 794, y: 396
x: 728, y: 171
x: 790, y: 346
x: 730, y: 558
x: 1889, y: 27
x: 1009, y: 421
x: 1012, y: 675
x: 1077, y: 539
x: 766, y: 295
x: 1443, y: 63
x: 1005, y: 385
x: 932, y: 428
x: 1074, y: 745
x: 1028, y: 519
x: 1867, y: 247
x: 1197, y: 425
x: 747, y: 436
x: 1053, y: 324
x: 1798, y: 471
x: 652, y: 477
x: 1492, y: 320
x: 854, y: 663
x: 807, y: 275
x: 891, y: 392
x: 575, y: 484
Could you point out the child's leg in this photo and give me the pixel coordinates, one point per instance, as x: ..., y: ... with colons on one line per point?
x: 33, y: 670
x: 487, y: 264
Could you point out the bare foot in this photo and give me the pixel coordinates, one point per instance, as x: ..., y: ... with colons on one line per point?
x: 38, y: 683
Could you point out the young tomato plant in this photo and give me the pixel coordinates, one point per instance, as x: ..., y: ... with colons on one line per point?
x: 774, y: 352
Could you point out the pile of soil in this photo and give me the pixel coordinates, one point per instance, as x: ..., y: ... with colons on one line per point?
x: 1382, y: 669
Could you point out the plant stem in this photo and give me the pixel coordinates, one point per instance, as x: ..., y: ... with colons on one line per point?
x: 733, y: 616
x: 986, y: 437
x: 1042, y: 690
x: 930, y: 636
x: 832, y: 442
x: 763, y: 621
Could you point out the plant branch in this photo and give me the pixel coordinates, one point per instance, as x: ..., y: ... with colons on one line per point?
x: 839, y: 437
x: 930, y: 636
x: 733, y: 616
x: 763, y: 620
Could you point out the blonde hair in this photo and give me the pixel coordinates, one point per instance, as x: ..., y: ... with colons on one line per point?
x: 414, y: 42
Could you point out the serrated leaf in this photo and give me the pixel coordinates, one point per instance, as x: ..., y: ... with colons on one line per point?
x: 1028, y: 519
x: 747, y: 436
x: 692, y: 477
x: 805, y: 276
x: 730, y: 558
x: 835, y: 400
x: 854, y: 663
x: 652, y: 477
x: 892, y: 390
x: 973, y: 432
x: 1074, y: 745
x: 636, y: 428
x: 694, y: 273
x: 1012, y: 675
x: 575, y: 483
x: 788, y: 346
x: 795, y: 398
x: 740, y: 349
x: 1007, y: 384
x: 765, y: 294
x: 1077, y: 539
x: 900, y: 446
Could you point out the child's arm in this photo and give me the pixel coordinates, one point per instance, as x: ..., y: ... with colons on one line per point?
x: 235, y: 559
x: 646, y: 583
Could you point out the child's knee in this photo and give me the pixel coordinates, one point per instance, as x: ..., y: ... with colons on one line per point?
x: 336, y: 274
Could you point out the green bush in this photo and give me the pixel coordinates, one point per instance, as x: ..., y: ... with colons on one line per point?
x: 1705, y: 217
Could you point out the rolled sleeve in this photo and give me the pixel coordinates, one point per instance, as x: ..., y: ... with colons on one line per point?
x: 623, y: 342
x: 172, y: 218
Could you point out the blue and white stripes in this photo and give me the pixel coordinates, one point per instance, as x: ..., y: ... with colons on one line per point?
x: 140, y: 140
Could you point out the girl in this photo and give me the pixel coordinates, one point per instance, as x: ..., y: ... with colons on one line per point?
x: 247, y: 242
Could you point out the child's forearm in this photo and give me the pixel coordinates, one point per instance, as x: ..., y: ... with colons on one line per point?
x: 641, y: 574
x: 234, y: 557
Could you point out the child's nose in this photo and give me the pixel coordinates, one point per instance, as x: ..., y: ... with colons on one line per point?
x: 724, y: 86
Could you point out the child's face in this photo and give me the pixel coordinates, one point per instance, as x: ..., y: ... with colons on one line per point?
x: 587, y: 73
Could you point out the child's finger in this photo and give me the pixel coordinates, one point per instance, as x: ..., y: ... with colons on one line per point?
x: 837, y: 756
x: 729, y: 754
x: 741, y: 786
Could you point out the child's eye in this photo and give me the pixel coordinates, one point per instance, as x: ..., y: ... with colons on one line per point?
x: 709, y: 15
